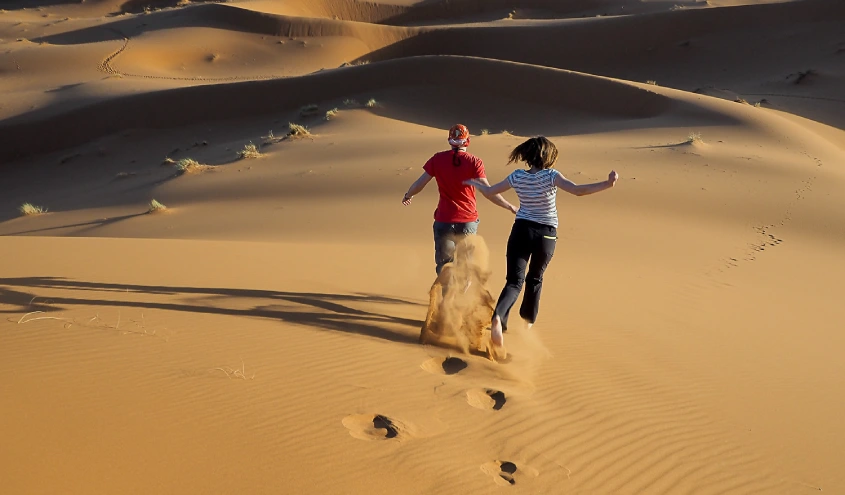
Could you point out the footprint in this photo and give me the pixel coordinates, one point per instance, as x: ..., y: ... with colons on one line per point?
x: 508, y: 469
x: 448, y: 366
x: 453, y: 365
x: 384, y: 423
x: 373, y: 427
x: 503, y: 472
x: 486, y: 398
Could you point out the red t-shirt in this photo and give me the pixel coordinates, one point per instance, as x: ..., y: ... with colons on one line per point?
x: 457, y: 201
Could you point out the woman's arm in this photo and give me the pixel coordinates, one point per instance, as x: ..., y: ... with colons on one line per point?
x: 494, y: 196
x: 416, y: 188
x: 485, y: 187
x: 585, y: 189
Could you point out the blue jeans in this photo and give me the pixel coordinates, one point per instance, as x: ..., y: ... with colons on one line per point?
x: 444, y: 240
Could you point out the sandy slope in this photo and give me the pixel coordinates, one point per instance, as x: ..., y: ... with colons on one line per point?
x: 261, y: 335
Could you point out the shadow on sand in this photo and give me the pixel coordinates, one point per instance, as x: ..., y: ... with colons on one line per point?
x: 317, y: 310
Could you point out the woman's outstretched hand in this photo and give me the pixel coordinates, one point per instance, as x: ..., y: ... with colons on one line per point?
x: 406, y: 200
x: 612, y: 177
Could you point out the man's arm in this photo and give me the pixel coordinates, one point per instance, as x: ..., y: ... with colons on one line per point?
x: 585, y: 189
x: 416, y: 188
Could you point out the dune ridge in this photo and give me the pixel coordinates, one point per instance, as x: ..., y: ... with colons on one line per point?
x: 20, y: 136
x: 230, y: 17
x: 683, y: 38
x: 635, y: 33
x: 347, y: 10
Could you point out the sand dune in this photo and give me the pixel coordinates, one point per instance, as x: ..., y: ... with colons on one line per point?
x: 261, y: 335
x: 223, y: 17
x: 607, y: 98
x: 677, y: 53
x: 347, y: 10
x: 678, y: 49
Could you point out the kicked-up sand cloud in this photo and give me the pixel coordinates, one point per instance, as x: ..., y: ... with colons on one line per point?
x: 460, y: 304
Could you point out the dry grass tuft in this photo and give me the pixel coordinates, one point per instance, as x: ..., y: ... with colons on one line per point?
x: 190, y: 166
x: 694, y: 138
x: 28, y: 209
x: 298, y: 131
x: 250, y: 151
x: 156, y: 207
x: 653, y: 83
x: 350, y: 102
x: 741, y: 100
x: 168, y: 161
x: 309, y: 110
x: 269, y: 139
x: 371, y: 103
x: 332, y: 113
x: 485, y: 132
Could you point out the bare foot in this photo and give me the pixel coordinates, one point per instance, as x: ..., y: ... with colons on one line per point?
x: 496, y: 332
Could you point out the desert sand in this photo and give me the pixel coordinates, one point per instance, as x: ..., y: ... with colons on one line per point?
x: 260, y: 336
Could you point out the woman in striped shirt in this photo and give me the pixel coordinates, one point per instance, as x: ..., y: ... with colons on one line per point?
x: 534, y: 233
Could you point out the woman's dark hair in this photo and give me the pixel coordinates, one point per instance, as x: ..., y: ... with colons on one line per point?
x: 537, y: 152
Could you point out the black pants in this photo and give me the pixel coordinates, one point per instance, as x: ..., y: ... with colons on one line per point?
x: 531, y: 245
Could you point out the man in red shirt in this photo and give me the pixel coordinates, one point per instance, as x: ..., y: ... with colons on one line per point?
x: 456, y: 214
